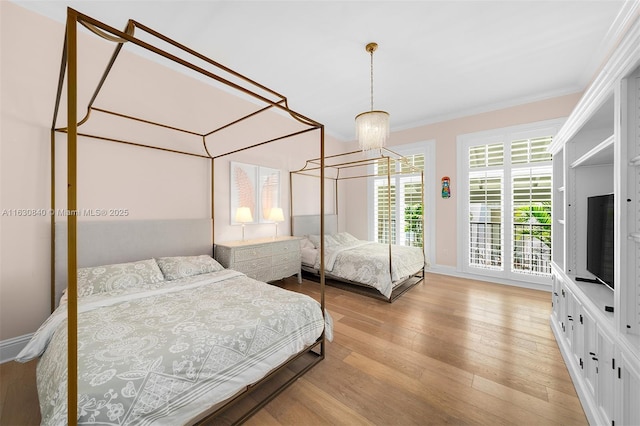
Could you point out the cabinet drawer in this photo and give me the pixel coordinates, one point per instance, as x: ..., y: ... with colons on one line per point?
x: 260, y: 274
x: 286, y: 247
x: 252, y: 264
x: 281, y: 259
x: 285, y: 270
x: 247, y: 253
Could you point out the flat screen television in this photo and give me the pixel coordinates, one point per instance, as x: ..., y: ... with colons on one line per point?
x: 600, y: 249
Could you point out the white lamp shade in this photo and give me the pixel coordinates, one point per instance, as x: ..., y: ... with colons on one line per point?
x: 372, y: 129
x: 243, y: 215
x: 276, y: 215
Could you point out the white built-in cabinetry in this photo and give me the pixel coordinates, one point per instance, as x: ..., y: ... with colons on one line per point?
x: 597, y: 152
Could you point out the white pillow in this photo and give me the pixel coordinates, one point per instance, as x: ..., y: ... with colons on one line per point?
x: 329, y: 241
x: 345, y: 238
x: 305, y: 243
x: 177, y: 267
x: 120, y: 276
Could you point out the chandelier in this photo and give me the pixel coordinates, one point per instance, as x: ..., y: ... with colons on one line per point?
x: 372, y: 127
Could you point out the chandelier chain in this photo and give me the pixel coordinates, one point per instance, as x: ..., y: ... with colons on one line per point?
x: 371, y: 79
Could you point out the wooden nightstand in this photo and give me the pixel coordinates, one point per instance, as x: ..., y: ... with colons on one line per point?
x: 266, y: 259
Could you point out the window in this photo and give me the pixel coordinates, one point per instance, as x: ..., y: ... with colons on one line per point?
x: 505, y: 203
x: 531, y: 228
x: 401, y: 193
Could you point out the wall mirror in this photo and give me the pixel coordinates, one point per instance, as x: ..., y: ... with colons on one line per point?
x: 255, y: 190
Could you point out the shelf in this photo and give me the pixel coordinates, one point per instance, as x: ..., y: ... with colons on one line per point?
x: 561, y: 221
x: 602, y: 154
x: 635, y: 236
x: 560, y: 189
x: 599, y: 295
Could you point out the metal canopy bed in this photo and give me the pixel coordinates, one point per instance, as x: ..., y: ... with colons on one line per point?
x: 380, y: 270
x: 78, y: 245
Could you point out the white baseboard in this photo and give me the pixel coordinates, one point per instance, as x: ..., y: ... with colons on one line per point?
x: 454, y: 272
x: 10, y: 348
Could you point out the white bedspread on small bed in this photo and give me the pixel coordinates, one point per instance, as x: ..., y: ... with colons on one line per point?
x: 367, y: 262
x: 164, y: 355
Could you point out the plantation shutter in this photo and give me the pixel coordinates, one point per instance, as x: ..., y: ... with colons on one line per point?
x: 485, y: 219
x: 411, y: 205
x: 405, y: 193
x: 385, y: 211
x: 531, y: 215
x: 508, y: 209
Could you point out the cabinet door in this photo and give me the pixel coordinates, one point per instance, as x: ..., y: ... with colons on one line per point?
x: 556, y: 298
x: 573, y: 331
x: 578, y: 333
x: 630, y: 247
x: 567, y: 315
x: 606, y: 377
x: 630, y: 398
x: 591, y: 355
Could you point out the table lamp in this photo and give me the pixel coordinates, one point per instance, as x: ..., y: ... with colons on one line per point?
x: 243, y: 215
x: 276, y: 215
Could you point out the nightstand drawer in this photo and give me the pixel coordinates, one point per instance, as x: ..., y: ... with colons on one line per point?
x: 285, y: 247
x: 286, y: 270
x: 247, y: 253
x: 260, y: 274
x: 280, y: 259
x: 252, y: 264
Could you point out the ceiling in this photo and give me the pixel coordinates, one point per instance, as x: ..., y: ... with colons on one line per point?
x: 436, y: 59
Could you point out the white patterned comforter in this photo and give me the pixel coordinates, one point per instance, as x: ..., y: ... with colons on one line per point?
x: 163, y: 356
x: 367, y: 263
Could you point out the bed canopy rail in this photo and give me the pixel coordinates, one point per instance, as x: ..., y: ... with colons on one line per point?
x: 356, y: 159
x: 264, y: 98
x: 207, y: 132
x: 358, y: 165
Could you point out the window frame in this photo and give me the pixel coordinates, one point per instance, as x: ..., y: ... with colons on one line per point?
x: 507, y: 136
x: 428, y: 149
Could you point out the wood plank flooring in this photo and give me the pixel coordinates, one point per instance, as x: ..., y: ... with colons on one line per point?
x: 448, y: 351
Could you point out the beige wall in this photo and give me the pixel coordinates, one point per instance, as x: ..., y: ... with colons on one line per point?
x: 27, y: 88
x: 445, y: 134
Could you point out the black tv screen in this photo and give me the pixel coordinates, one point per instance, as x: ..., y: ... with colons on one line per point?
x: 600, y: 249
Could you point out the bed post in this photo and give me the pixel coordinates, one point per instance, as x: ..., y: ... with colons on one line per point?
x: 322, y: 278
x: 390, y: 228
x: 52, y: 218
x: 424, y: 247
x: 213, y: 220
x: 52, y: 147
x: 72, y: 205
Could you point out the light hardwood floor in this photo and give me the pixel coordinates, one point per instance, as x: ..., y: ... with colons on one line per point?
x: 448, y: 351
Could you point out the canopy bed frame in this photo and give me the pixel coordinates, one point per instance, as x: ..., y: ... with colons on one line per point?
x: 74, y: 252
x: 357, y: 165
